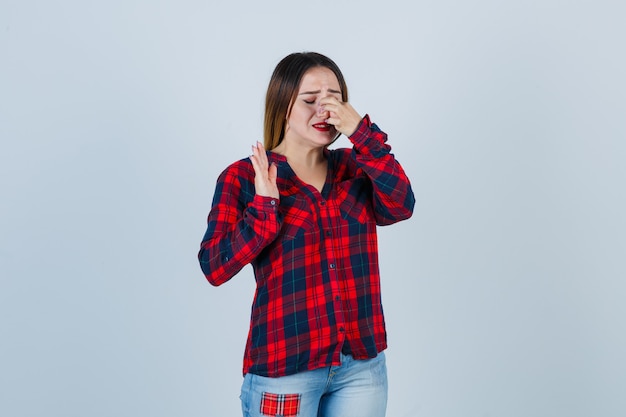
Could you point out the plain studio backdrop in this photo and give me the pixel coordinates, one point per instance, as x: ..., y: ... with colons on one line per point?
x: 504, y: 293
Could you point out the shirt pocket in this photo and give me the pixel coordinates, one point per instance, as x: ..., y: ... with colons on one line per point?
x: 355, y: 196
x: 297, y: 216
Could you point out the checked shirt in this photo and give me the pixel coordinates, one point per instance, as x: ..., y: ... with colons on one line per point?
x: 314, y: 255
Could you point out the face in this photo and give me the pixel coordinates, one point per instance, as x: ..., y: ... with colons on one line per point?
x: 305, y: 124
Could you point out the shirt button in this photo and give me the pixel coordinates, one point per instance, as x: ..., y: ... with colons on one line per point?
x: 337, y: 298
x: 341, y: 329
x: 322, y: 203
x: 329, y: 233
x: 332, y: 266
x: 273, y: 202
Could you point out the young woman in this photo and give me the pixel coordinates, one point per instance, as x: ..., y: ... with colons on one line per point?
x: 305, y: 217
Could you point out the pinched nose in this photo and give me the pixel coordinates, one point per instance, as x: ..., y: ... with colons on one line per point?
x: 322, y: 112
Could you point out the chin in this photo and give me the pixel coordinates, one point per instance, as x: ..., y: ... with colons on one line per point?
x: 329, y: 140
x: 323, y: 139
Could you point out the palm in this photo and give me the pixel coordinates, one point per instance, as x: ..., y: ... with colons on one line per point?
x: 264, y: 173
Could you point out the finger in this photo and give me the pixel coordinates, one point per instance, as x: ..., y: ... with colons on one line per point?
x: 330, y: 100
x: 255, y: 163
x: 345, y: 122
x: 329, y: 108
x: 335, y: 122
x: 333, y: 119
x: 259, y: 151
x: 259, y: 161
x: 329, y: 104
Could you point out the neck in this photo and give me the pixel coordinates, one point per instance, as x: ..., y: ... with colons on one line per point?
x: 305, y: 158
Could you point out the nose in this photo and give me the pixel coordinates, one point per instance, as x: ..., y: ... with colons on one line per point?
x: 321, y: 112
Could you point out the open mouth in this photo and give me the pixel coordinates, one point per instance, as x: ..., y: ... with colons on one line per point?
x: 322, y: 127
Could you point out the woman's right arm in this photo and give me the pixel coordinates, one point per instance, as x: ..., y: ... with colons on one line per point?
x: 241, y: 223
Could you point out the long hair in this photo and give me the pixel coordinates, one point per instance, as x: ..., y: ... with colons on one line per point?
x: 283, y: 89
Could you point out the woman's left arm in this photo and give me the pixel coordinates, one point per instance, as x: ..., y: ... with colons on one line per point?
x: 393, y: 195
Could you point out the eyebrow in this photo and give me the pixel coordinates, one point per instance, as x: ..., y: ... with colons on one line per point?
x: 319, y: 91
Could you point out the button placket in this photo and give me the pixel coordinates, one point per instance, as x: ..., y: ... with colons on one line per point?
x: 325, y: 208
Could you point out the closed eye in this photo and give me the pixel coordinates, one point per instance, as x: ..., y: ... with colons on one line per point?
x: 309, y: 101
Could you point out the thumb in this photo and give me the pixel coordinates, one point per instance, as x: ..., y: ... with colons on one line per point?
x: 272, y: 172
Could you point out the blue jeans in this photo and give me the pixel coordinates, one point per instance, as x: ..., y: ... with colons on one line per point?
x: 356, y: 388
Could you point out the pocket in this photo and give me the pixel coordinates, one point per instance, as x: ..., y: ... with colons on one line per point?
x: 355, y: 196
x: 283, y: 405
x: 297, y: 216
x: 378, y: 369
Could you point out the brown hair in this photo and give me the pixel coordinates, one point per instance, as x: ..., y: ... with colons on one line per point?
x: 283, y: 89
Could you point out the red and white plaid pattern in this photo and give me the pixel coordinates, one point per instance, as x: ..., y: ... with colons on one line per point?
x: 283, y: 405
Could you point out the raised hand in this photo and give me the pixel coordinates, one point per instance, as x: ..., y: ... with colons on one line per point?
x: 264, y: 173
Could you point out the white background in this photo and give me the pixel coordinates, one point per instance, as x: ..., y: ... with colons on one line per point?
x: 504, y: 294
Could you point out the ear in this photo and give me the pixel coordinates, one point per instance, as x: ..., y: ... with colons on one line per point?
x: 287, y: 118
